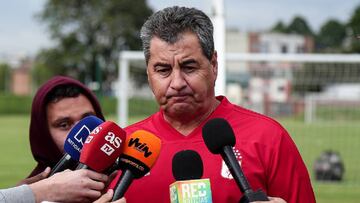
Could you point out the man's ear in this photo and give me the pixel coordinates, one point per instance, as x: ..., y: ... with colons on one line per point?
x: 214, y: 64
x: 148, y: 78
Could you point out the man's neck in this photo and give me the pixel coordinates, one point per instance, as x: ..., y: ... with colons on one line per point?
x: 186, y: 124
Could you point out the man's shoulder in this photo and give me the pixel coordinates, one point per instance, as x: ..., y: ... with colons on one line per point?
x: 235, y: 111
x: 258, y: 120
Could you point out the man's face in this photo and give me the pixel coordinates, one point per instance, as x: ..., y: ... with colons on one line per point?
x: 181, y: 77
x: 64, y: 114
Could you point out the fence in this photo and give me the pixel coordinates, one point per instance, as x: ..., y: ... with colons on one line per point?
x: 315, y: 96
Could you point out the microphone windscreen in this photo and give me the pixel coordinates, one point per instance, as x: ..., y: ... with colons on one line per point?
x: 187, y: 165
x: 103, y: 146
x: 75, y: 140
x: 217, y: 133
x: 142, y: 149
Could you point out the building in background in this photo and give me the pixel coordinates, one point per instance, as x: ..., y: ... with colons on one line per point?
x: 21, y: 78
x: 20, y: 81
x: 262, y: 84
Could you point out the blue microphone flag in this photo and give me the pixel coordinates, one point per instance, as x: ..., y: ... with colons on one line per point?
x: 78, y: 134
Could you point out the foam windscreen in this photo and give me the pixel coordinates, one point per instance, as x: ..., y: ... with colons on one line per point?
x: 78, y: 134
x: 217, y: 133
x: 103, y: 146
x: 187, y: 165
x: 142, y: 149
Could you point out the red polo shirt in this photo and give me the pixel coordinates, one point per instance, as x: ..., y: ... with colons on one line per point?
x: 267, y: 154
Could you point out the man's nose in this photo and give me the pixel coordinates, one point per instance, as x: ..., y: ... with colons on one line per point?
x: 177, y: 81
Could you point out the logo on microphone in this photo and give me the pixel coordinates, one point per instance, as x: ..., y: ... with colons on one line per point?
x: 225, y: 173
x: 115, y: 141
x: 96, y: 130
x: 190, y: 191
x: 107, y: 149
x: 141, y: 147
x: 88, y: 139
x: 78, y: 137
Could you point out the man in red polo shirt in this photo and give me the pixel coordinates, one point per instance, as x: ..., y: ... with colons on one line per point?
x: 182, y: 70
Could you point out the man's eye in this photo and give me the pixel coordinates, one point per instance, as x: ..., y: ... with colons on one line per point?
x: 188, y: 69
x: 164, y: 71
x: 64, y: 126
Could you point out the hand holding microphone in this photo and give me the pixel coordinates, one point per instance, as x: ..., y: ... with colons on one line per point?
x: 74, y: 143
x: 219, y: 139
x: 70, y: 186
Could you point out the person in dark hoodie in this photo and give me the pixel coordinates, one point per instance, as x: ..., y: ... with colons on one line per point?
x: 57, y: 106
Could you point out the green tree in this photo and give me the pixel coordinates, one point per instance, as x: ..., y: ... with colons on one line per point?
x: 354, y: 25
x: 279, y: 27
x: 4, y: 77
x: 331, y: 36
x: 299, y: 26
x: 89, y: 36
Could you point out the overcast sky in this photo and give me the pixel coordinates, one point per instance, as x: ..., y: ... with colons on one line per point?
x: 21, y: 33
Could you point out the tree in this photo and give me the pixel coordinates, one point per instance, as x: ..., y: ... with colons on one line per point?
x: 354, y: 25
x: 279, y: 27
x: 89, y: 36
x: 331, y: 36
x: 299, y: 26
x: 4, y: 77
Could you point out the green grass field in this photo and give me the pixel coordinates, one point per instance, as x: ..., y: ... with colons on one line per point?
x: 17, y: 162
x: 344, y: 137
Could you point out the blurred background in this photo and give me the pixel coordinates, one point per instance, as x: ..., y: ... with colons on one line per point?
x: 296, y: 61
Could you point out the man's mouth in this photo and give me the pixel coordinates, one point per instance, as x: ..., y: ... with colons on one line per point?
x: 179, y: 98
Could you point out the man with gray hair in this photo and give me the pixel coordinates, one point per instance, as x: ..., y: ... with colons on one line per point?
x: 182, y: 69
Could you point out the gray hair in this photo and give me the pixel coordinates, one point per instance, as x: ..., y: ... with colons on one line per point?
x: 168, y: 24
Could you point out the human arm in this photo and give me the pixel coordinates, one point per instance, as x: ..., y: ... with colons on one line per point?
x: 21, y: 193
x: 75, y: 186
x: 287, y: 175
x: 35, y: 178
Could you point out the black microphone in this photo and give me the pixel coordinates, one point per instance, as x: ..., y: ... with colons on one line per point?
x: 141, y: 150
x: 219, y: 138
x: 187, y: 168
x: 187, y: 165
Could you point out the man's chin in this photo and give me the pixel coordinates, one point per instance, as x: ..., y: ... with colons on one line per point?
x: 180, y: 109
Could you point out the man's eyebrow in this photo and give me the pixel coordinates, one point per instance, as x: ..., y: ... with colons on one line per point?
x: 187, y: 62
x: 162, y: 64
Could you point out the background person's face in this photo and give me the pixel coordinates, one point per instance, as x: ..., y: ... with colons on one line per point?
x: 181, y: 77
x: 64, y: 114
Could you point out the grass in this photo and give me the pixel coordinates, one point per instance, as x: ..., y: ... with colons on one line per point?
x: 344, y: 137
x: 311, y: 139
x: 16, y: 159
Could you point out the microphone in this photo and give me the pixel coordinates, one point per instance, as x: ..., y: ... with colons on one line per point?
x: 141, y: 150
x: 187, y: 169
x: 102, y: 147
x: 219, y: 138
x: 74, y: 143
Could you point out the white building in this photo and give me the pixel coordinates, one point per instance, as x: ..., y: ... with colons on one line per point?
x: 263, y: 81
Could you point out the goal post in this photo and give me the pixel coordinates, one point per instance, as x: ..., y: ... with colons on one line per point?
x: 251, y: 60
x: 316, y: 97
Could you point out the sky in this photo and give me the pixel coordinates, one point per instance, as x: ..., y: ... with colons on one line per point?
x: 22, y: 34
